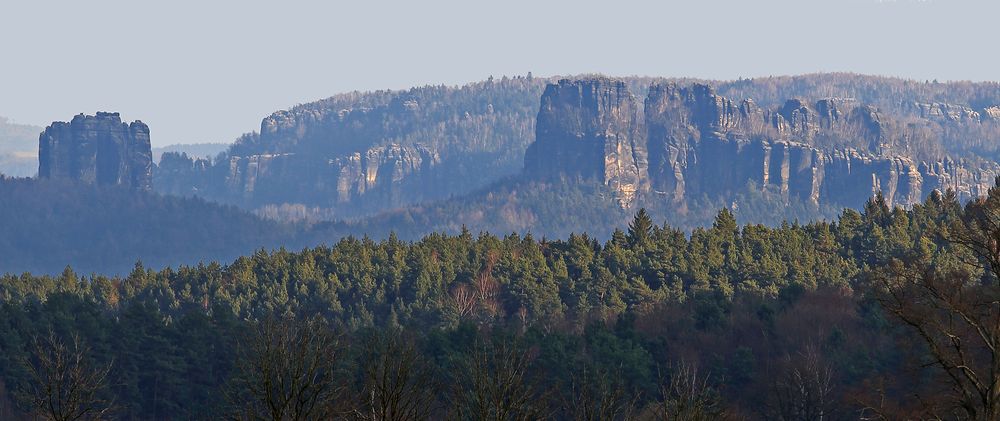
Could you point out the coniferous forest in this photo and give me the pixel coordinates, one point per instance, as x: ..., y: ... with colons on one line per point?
x: 882, y: 313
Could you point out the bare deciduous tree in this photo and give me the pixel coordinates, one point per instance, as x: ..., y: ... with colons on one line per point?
x: 954, y: 308
x: 688, y: 396
x: 288, y: 370
x: 495, y: 385
x: 488, y: 292
x: 464, y: 300
x: 399, y: 384
x: 804, y: 389
x: 598, y: 395
x: 65, y: 384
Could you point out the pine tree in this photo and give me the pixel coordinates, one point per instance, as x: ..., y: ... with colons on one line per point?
x: 640, y: 229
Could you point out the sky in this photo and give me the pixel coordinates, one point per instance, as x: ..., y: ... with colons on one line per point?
x: 208, y: 71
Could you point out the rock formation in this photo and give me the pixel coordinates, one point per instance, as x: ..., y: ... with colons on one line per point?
x: 826, y: 139
x: 346, y: 178
x: 992, y: 113
x: 318, y: 156
x: 590, y: 129
x: 689, y: 141
x: 98, y: 149
x: 948, y: 112
x: 361, y: 153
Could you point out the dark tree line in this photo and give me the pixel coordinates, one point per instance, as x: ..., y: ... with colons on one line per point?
x: 886, y: 313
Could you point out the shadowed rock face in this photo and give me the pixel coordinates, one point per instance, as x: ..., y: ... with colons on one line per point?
x: 358, y: 154
x: 688, y: 141
x: 98, y: 149
x: 382, y: 169
x: 340, y: 174
x: 590, y: 129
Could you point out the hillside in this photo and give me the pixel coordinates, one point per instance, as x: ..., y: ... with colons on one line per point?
x: 556, y: 210
x: 362, y: 154
x: 49, y: 224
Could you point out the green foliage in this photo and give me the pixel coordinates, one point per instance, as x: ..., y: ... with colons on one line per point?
x: 724, y: 298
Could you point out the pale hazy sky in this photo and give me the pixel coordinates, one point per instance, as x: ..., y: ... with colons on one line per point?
x: 207, y: 71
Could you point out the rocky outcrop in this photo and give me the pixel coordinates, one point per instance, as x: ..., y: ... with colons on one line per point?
x: 689, y: 141
x: 948, y: 112
x: 357, y: 154
x: 329, y: 173
x: 992, y: 113
x: 382, y: 169
x: 590, y: 129
x: 98, y: 149
x: 384, y: 166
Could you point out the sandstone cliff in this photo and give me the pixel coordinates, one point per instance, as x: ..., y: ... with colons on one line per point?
x: 590, y: 129
x: 98, y: 149
x: 382, y: 169
x: 690, y: 141
x: 364, y: 153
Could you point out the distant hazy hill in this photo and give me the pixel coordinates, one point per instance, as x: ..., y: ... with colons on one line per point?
x: 48, y: 224
x: 194, y: 150
x: 819, y: 141
x: 18, y: 148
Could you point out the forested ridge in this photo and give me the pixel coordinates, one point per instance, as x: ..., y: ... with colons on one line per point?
x: 879, y: 314
x: 437, y: 143
x: 48, y: 224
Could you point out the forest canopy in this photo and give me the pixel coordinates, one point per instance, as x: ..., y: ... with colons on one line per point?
x: 746, y: 320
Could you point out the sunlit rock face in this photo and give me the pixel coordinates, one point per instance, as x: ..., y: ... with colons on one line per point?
x: 689, y: 141
x: 98, y: 149
x: 380, y: 170
x: 590, y: 129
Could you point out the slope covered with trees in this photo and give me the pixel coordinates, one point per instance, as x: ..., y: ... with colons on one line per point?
x: 742, y: 321
x: 49, y: 224
x: 557, y: 209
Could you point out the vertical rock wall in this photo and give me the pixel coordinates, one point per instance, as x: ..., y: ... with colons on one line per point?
x: 98, y: 149
x: 690, y: 141
x: 591, y: 129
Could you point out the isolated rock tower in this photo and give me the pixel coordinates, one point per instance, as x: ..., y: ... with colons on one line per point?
x: 97, y: 149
